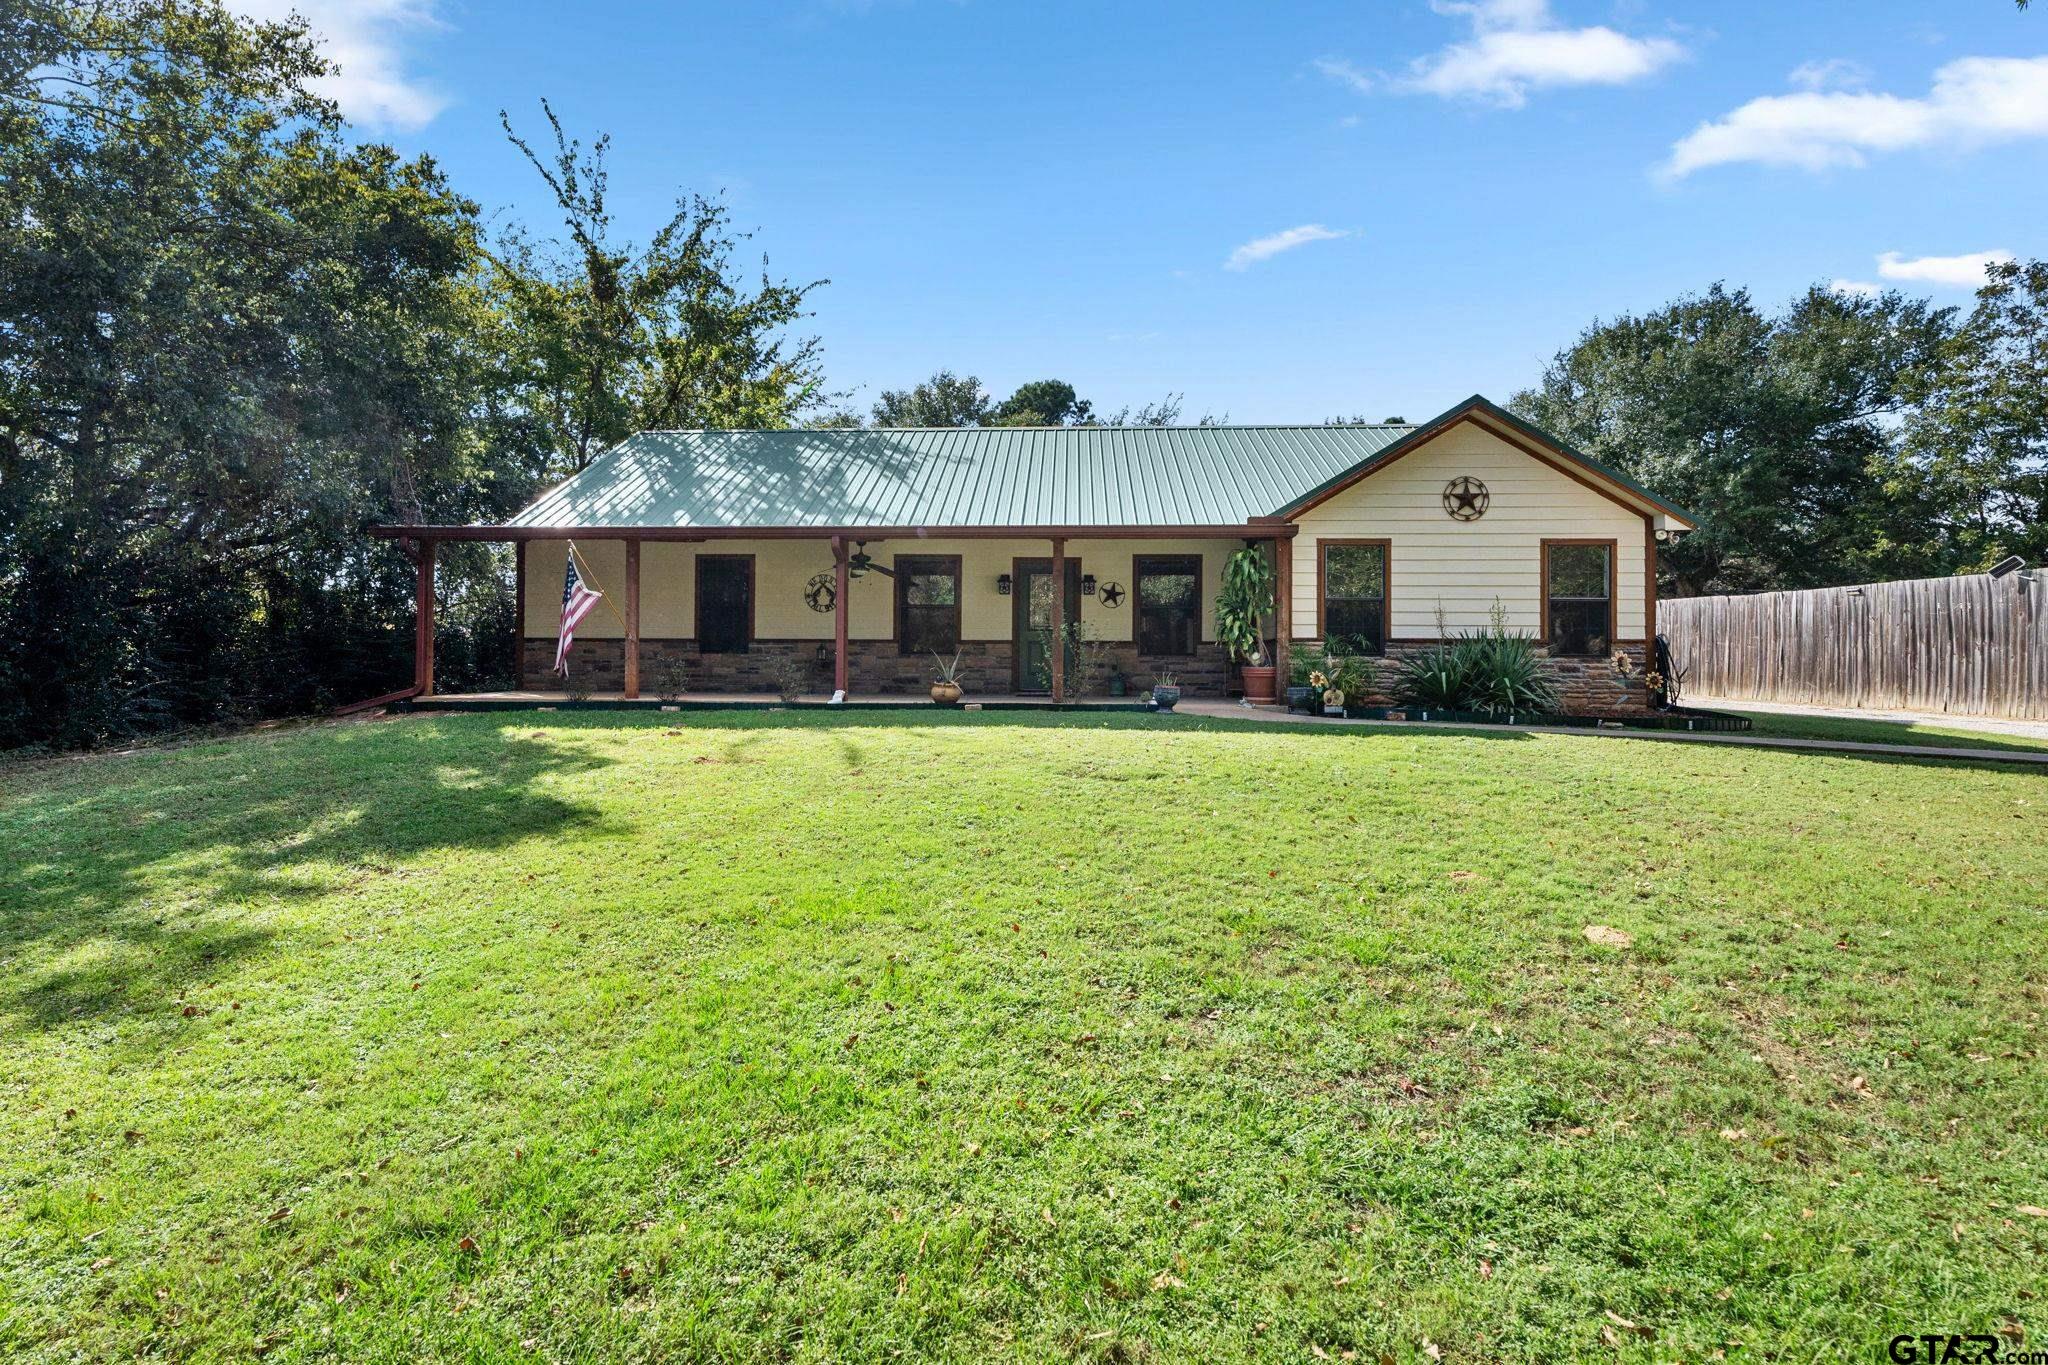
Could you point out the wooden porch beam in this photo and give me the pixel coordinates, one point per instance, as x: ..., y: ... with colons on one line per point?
x: 1059, y: 611
x: 839, y: 606
x: 1256, y: 529
x: 519, y: 616
x: 632, y: 620
x: 423, y: 623
x: 1283, y: 600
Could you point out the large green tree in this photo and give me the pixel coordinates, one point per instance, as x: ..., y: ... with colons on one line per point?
x: 608, y: 338
x: 1977, y: 444
x: 944, y: 400
x: 1780, y: 432
x: 228, y: 340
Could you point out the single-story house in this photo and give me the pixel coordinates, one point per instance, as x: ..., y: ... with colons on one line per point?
x: 856, y: 555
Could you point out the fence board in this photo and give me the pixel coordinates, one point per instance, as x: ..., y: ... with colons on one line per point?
x: 1973, y: 645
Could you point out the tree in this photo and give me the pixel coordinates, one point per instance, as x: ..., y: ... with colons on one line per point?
x: 944, y: 400
x: 228, y: 341
x: 1043, y: 403
x: 1977, y: 447
x: 1780, y: 433
x: 610, y: 340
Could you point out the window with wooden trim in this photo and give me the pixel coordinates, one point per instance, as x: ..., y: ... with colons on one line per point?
x: 725, y: 603
x: 1168, y: 592
x: 1578, y: 598
x: 927, y: 604
x: 1353, y: 576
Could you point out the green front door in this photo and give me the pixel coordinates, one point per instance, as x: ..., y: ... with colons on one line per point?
x: 1032, y: 616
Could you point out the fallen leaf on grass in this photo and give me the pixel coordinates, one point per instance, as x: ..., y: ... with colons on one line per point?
x: 1166, y: 1279
x: 1608, y: 937
x: 1485, y: 1268
x: 2031, y: 1210
x: 467, y: 1246
x: 280, y: 1213
x: 1432, y: 1350
x: 1625, y: 1325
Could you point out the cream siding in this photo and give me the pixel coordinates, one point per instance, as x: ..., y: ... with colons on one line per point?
x: 1464, y: 567
x: 782, y: 568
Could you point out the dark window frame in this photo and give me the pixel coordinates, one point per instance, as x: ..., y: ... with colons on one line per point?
x: 1163, y: 565
x: 1613, y: 548
x: 1386, y: 549
x: 753, y: 602
x: 907, y: 565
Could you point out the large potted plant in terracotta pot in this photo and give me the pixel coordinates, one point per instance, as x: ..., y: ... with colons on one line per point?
x: 1241, y: 611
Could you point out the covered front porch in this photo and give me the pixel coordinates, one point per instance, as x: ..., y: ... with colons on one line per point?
x: 747, y: 615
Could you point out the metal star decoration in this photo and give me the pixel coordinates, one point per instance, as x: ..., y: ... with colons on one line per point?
x: 1112, y: 594
x: 1465, y: 498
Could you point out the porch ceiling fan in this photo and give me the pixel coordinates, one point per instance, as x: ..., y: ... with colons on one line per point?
x: 860, y: 562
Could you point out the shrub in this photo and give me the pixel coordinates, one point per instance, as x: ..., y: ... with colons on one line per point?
x: 1495, y: 670
x: 1434, y: 679
x: 792, y: 676
x: 671, y: 678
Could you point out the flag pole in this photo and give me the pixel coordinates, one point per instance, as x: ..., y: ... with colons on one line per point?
x: 583, y: 567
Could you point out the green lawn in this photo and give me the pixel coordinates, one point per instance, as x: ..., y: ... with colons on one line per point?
x: 765, y: 1036
x: 1881, y: 731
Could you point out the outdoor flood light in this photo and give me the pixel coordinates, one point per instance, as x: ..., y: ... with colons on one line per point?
x: 2010, y: 564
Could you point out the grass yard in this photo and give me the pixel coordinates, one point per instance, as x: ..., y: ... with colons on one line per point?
x: 1861, y: 731
x: 760, y: 1036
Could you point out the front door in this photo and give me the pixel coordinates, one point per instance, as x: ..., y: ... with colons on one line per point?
x: 1032, y: 620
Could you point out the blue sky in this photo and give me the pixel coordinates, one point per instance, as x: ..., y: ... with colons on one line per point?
x: 1285, y: 211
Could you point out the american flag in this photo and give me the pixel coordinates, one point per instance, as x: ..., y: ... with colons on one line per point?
x: 577, y: 600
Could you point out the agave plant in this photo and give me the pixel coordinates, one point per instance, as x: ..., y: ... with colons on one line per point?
x: 1504, y: 675
x: 1434, y: 679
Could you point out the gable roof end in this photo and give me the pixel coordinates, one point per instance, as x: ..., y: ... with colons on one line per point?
x: 1475, y: 407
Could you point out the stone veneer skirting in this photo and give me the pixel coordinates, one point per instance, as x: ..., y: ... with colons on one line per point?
x: 987, y: 667
x: 1590, y: 687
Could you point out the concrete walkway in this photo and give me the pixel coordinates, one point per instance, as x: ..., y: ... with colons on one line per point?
x: 1224, y: 710
x: 1990, y: 725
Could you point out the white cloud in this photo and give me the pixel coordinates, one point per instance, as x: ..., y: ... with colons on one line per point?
x: 365, y: 39
x: 1964, y: 272
x: 1973, y: 101
x: 1518, y: 46
x: 1837, y: 73
x: 1344, y: 73
x: 1262, y: 248
x: 1855, y: 289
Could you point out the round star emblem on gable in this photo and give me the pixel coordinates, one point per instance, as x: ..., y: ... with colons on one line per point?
x: 1465, y: 498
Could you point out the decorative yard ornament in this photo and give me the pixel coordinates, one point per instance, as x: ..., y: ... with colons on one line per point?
x: 822, y: 592
x: 1112, y: 594
x: 1465, y: 498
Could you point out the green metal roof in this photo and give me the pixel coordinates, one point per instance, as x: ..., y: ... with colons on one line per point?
x: 966, y: 477
x: 993, y: 477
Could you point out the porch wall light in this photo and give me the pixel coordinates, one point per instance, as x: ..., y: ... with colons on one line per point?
x: 1002, y: 585
x: 1087, y: 585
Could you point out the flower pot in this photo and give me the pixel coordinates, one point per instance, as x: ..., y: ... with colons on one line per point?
x: 1302, y: 698
x: 1117, y: 686
x: 1164, y: 698
x: 1259, y: 682
x: 946, y: 694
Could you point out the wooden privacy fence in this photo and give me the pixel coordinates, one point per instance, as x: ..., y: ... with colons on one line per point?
x: 1971, y: 644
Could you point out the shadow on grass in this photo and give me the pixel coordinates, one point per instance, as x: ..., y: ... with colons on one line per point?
x: 130, y: 879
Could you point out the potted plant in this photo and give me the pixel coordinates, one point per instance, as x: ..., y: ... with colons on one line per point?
x: 946, y: 687
x: 1119, y: 686
x: 1241, y: 611
x: 1165, y: 691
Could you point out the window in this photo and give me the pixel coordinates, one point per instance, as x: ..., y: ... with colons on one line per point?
x: 1578, y: 596
x: 1169, y: 604
x: 927, y: 604
x: 725, y: 603
x: 1353, y: 574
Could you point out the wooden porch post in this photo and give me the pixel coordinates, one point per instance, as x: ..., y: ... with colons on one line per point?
x: 839, y: 586
x: 519, y: 615
x: 632, y: 620
x: 423, y: 623
x: 1283, y: 598
x: 1059, y: 610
